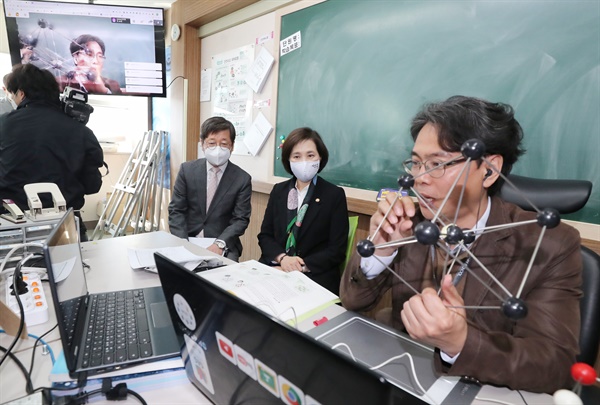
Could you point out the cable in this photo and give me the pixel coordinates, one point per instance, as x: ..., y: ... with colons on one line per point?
x: 27, y: 376
x: 21, y: 311
x: 522, y: 397
x: 410, y: 359
x: 497, y: 401
x: 176, y: 77
x: 39, y: 339
x: 138, y: 396
x: 412, y: 369
x: 18, y: 299
x: 14, y: 249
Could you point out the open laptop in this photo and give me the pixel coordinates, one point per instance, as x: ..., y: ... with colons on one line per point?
x: 236, y: 353
x: 107, y: 331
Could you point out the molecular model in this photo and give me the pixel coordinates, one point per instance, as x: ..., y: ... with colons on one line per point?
x: 441, y: 232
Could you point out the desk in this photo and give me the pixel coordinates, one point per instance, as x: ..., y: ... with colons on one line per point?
x: 110, y: 270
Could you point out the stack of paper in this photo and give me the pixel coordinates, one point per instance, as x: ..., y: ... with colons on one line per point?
x: 144, y: 258
x: 288, y: 296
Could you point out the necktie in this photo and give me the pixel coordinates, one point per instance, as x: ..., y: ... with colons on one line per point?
x: 213, y: 182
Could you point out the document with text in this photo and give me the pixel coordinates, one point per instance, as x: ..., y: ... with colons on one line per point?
x: 287, y: 296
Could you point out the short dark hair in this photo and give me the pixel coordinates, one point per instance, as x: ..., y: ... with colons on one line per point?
x: 216, y: 124
x: 79, y: 43
x: 300, y: 135
x: 461, y: 118
x: 37, y: 84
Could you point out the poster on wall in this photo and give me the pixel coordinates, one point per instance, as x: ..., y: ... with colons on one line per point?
x: 232, y: 97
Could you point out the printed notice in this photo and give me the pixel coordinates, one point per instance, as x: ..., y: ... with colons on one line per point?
x: 290, y: 43
x: 257, y: 75
x: 257, y: 134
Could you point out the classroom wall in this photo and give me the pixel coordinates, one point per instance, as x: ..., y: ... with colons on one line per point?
x: 261, y: 167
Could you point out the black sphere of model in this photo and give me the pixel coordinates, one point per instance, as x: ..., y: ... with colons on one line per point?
x: 365, y: 248
x: 514, y: 308
x: 473, y: 148
x: 468, y: 237
x: 406, y: 181
x: 427, y: 233
x: 549, y: 217
x: 453, y: 234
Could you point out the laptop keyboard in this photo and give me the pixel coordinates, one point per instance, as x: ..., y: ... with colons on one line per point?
x: 118, y: 329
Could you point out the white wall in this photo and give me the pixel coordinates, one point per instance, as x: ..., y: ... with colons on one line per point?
x: 260, y: 167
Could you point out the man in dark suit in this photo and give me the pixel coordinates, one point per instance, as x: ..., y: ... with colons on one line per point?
x: 211, y: 197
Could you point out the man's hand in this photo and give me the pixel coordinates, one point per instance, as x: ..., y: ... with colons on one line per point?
x: 215, y: 249
x: 428, y: 319
x: 397, y: 225
x: 90, y: 80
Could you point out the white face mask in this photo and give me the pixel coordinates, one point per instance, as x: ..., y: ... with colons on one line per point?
x: 217, y: 155
x: 305, y: 170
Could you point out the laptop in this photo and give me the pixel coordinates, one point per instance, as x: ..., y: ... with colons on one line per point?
x: 107, y: 331
x: 236, y: 353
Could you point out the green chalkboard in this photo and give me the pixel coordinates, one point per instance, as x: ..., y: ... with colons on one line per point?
x: 364, y: 68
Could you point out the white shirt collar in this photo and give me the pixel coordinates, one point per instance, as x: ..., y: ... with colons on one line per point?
x: 222, y: 167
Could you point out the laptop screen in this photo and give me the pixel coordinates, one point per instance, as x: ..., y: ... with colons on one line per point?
x: 236, y: 353
x: 67, y: 282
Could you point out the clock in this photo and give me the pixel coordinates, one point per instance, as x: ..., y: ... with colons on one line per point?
x: 175, y: 32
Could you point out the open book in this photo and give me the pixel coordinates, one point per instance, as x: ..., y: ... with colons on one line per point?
x: 291, y: 297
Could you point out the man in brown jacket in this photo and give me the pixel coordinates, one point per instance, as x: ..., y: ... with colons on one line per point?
x: 532, y: 352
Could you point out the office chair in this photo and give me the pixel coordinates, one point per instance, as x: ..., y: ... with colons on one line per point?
x: 566, y: 196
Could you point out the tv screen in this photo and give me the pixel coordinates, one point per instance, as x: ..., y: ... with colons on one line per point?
x: 97, y: 48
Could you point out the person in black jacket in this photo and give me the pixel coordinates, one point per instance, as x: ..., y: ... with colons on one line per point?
x: 39, y: 143
x: 305, y: 227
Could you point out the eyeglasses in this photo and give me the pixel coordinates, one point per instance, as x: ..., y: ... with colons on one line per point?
x: 89, y: 54
x: 435, y: 168
x: 212, y: 145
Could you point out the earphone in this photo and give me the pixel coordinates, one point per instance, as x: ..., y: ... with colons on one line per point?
x: 488, y: 173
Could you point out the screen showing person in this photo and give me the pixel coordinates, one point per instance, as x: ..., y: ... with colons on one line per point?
x: 95, y: 48
x: 88, y: 56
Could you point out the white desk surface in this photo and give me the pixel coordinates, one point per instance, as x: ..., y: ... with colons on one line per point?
x: 110, y: 270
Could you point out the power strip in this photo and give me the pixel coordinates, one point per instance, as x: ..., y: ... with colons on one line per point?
x: 34, y: 300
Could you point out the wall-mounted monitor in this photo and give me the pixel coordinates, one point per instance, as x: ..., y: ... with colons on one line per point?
x: 99, y: 49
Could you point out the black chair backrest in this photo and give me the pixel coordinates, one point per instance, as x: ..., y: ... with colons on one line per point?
x: 566, y: 196
x: 589, y: 338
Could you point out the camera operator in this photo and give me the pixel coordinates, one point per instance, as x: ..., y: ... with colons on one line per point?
x: 39, y: 143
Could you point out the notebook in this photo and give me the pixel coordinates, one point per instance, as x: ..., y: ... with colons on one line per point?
x: 106, y: 331
x: 236, y: 353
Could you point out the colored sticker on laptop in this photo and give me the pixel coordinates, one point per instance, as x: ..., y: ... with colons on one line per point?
x: 266, y: 377
x: 225, y: 347
x: 245, y: 361
x: 198, y: 363
x: 290, y: 393
x: 184, y: 311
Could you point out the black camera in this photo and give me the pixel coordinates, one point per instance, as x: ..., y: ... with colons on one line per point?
x: 74, y: 104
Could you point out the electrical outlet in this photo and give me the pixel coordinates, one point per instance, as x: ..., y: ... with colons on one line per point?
x: 34, y: 300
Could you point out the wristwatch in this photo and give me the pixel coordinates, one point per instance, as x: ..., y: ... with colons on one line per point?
x: 220, y: 244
